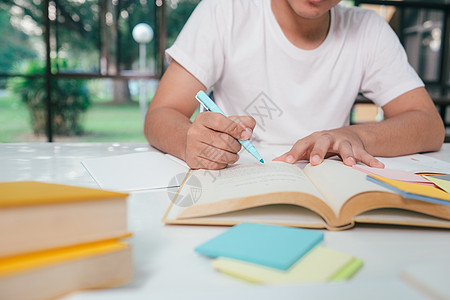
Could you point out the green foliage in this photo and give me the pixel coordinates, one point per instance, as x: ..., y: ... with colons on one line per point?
x: 106, y: 123
x: 77, y: 29
x: 14, y: 46
x: 70, y: 98
x: 101, y: 123
x: 14, y: 118
x: 176, y: 18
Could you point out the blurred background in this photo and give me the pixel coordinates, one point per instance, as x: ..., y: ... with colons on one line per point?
x: 85, y: 70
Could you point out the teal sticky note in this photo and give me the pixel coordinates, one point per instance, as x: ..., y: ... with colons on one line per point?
x: 268, y: 245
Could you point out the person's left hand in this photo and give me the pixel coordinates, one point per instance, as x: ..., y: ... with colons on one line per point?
x: 322, y: 144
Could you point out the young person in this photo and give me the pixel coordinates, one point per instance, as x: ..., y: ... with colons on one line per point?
x: 297, y: 67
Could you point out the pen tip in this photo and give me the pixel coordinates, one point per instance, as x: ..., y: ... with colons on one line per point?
x: 261, y: 160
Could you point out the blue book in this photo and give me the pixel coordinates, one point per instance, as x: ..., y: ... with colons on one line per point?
x: 273, y: 246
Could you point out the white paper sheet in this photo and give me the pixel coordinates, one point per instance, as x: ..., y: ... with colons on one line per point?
x: 416, y: 163
x: 136, y: 171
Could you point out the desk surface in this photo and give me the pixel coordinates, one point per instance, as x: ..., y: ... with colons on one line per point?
x: 166, y: 266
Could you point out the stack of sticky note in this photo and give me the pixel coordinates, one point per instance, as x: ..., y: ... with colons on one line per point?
x: 434, y: 188
x: 56, y: 239
x: 270, y: 254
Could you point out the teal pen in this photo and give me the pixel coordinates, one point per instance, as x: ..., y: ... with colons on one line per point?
x: 211, y: 106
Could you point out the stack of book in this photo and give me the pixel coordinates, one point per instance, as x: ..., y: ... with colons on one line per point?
x: 57, y: 239
x: 271, y: 254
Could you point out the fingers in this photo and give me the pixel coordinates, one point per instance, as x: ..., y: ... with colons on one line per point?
x: 320, y: 145
x: 286, y: 157
x: 320, y: 149
x: 369, y: 160
x: 218, y: 140
x: 298, y: 151
x: 350, y: 152
x: 346, y: 153
x: 203, y: 163
x: 204, y: 156
x: 212, y: 140
x: 221, y: 123
x: 246, y: 122
x: 209, y: 157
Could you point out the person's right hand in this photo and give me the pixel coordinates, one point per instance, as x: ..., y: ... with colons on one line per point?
x: 212, y: 140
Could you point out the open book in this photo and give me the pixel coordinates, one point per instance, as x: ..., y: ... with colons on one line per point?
x: 331, y: 195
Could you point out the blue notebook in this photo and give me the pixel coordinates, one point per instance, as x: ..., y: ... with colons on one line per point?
x: 268, y: 245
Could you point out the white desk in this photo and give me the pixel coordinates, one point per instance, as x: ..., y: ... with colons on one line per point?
x: 166, y: 266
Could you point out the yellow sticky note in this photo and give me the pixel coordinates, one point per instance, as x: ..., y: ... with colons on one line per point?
x: 319, y: 265
x: 442, y: 183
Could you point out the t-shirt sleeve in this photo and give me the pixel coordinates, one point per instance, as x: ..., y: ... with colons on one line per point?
x: 388, y: 73
x: 199, y: 46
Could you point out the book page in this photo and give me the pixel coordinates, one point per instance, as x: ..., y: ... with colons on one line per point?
x: 400, y: 217
x: 338, y: 182
x: 251, y: 179
x: 281, y: 214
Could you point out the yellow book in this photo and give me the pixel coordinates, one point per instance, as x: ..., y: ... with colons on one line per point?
x: 35, y: 216
x: 54, y: 273
x: 319, y: 265
x: 330, y: 195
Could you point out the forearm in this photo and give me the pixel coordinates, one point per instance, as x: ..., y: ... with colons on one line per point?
x: 166, y: 129
x: 405, y: 131
x: 409, y: 132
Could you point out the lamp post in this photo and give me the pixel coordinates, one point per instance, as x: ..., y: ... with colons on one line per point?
x: 142, y: 34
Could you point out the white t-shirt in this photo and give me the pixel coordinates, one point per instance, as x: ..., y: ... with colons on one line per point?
x: 238, y: 48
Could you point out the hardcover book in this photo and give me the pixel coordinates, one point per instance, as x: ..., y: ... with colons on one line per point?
x: 330, y: 195
x: 36, y: 216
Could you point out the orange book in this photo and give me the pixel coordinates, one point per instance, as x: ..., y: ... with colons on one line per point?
x: 57, y: 272
x: 35, y: 216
